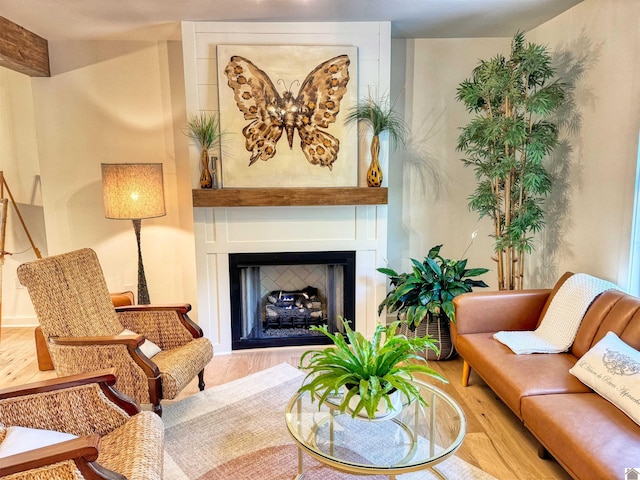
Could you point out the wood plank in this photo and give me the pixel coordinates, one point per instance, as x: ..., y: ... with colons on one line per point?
x: 293, y: 197
x: 496, y: 441
x: 22, y: 50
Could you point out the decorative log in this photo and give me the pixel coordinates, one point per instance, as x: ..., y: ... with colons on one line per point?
x: 22, y: 50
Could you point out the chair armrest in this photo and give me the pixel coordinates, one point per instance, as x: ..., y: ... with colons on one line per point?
x: 480, y: 312
x: 181, y: 310
x: 105, y: 378
x: 131, y: 342
x: 83, y: 451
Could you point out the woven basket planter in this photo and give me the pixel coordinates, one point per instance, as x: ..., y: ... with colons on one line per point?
x: 438, y: 328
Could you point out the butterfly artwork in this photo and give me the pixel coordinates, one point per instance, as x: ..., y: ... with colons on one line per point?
x: 308, y: 113
x: 314, y: 108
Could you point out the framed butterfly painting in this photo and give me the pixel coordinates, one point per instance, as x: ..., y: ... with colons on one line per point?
x: 283, y: 111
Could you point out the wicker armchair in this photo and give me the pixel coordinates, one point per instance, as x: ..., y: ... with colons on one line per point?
x: 115, y: 439
x: 84, y: 331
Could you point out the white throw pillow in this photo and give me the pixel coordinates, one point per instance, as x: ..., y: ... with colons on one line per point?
x: 612, y: 369
x: 148, y: 347
x: 22, y: 439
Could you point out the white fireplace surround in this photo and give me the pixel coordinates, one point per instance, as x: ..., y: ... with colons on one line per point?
x: 220, y: 231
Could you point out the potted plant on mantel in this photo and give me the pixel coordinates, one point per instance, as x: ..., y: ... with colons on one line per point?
x: 381, y: 117
x: 204, y: 129
x: 367, y: 377
x: 423, y: 298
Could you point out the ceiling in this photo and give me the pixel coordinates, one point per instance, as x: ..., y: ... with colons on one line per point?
x: 159, y: 19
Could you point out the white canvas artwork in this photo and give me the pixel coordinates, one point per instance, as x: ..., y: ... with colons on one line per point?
x: 283, y: 110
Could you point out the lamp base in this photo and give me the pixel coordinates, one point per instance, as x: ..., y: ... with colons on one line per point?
x: 143, y: 292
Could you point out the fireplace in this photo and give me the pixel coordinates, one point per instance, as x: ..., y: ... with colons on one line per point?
x: 277, y: 297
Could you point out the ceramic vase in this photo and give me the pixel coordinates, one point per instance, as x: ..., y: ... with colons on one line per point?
x: 206, y: 181
x: 374, y: 173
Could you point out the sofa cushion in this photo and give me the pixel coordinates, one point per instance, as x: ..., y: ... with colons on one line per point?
x: 21, y: 439
x: 511, y: 376
x: 613, y: 311
x: 612, y: 369
x: 588, y: 435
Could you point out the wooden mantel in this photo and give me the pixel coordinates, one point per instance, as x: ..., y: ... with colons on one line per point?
x: 291, y: 197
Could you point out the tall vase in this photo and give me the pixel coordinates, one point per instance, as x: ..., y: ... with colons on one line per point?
x: 374, y: 173
x: 206, y: 181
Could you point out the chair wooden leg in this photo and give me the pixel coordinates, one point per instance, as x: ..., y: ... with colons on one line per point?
x: 201, y: 380
x: 466, y: 371
x: 42, y: 352
x: 157, y: 408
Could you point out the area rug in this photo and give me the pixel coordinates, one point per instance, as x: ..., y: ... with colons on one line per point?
x: 237, y: 430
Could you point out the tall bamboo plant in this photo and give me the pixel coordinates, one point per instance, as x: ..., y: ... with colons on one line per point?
x: 506, y: 144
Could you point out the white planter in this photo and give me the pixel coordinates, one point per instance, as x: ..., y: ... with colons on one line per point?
x: 383, y: 411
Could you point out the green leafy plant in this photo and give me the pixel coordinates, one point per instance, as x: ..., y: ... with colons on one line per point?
x: 506, y: 144
x: 429, y: 289
x: 371, y: 369
x: 381, y: 117
x: 204, y: 128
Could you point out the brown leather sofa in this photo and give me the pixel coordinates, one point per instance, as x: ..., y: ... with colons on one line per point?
x: 588, y: 435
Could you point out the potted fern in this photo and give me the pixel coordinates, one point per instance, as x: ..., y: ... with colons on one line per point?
x: 381, y: 117
x: 365, y: 376
x: 423, y: 297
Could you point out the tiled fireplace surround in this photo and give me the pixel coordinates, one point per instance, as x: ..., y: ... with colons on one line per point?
x: 221, y: 230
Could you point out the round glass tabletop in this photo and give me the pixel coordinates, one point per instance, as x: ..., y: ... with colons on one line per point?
x: 415, y: 438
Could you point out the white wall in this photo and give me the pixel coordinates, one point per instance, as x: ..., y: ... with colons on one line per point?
x: 428, y: 184
x: 19, y: 163
x: 124, y: 101
x: 596, y: 44
x: 600, y: 39
x: 115, y: 102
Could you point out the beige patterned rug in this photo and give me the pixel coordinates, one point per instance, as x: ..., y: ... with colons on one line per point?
x: 237, y: 430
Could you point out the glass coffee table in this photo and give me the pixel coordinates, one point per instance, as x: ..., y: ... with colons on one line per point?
x: 417, y: 438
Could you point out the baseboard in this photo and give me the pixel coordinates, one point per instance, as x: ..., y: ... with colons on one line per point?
x: 19, y: 322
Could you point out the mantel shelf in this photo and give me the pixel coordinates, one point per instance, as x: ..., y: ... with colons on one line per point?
x: 290, y: 197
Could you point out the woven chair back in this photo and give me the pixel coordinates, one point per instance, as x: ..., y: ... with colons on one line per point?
x: 70, y: 295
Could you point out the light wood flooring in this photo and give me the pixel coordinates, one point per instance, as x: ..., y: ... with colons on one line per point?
x: 496, y: 441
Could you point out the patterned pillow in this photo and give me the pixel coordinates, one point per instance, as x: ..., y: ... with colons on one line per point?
x: 612, y: 369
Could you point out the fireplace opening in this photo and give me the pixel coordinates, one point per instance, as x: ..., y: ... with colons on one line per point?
x: 277, y: 297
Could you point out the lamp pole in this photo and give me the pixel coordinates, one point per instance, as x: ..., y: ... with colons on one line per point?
x: 143, y: 292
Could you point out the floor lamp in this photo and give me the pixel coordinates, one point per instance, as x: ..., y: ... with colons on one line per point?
x: 133, y: 191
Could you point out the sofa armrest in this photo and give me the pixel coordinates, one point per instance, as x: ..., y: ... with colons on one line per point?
x: 481, y: 312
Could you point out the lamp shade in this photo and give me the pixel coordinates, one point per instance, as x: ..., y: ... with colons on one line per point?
x: 133, y: 190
